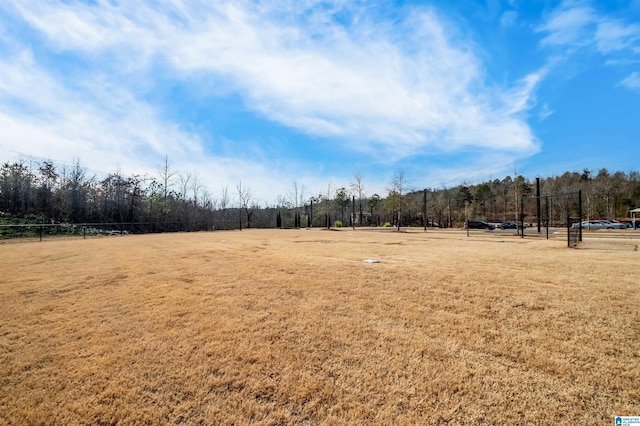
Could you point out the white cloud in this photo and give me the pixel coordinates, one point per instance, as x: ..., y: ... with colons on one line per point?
x: 577, y: 25
x: 614, y: 35
x: 568, y: 24
x: 344, y: 85
x: 508, y: 19
x: 578, y: 28
x: 632, y: 81
x: 395, y: 85
x: 545, y: 112
x: 521, y: 97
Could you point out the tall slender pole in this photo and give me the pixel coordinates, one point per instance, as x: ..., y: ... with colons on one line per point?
x: 424, y: 208
x: 353, y: 211
x: 521, y: 217
x: 546, y: 208
x: 466, y: 217
x: 580, y: 214
x: 538, y: 203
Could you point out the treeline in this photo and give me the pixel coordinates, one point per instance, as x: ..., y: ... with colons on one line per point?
x: 42, y: 192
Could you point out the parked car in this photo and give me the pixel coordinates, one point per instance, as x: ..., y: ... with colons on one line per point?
x: 616, y: 225
x: 478, y: 224
x: 511, y: 225
x: 600, y: 224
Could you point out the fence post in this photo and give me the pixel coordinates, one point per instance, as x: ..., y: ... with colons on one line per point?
x: 521, y: 217
x: 538, y: 203
x: 353, y: 212
x: 424, y: 209
x: 580, y: 213
x: 546, y: 209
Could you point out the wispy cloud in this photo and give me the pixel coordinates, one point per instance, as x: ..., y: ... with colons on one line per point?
x: 522, y: 96
x: 102, y: 118
x: 568, y: 24
x: 578, y: 25
x: 615, y: 35
x: 632, y: 81
x: 508, y: 19
x: 545, y: 112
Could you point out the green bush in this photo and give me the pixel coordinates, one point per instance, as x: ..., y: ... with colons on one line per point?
x: 386, y: 225
x: 337, y: 224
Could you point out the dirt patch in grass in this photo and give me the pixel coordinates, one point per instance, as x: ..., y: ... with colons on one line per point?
x: 292, y: 327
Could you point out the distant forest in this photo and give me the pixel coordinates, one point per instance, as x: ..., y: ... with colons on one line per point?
x: 42, y: 192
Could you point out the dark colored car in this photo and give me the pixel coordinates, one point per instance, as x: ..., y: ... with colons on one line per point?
x: 479, y: 224
x: 510, y: 225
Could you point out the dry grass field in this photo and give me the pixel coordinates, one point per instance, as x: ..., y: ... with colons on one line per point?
x: 271, y: 327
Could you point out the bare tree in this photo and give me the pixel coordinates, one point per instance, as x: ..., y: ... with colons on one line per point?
x: 324, y: 201
x: 296, y: 196
x: 185, y: 184
x: 245, y: 203
x: 225, y: 199
x: 282, y: 201
x: 398, y: 187
x: 167, y: 177
x: 196, y: 187
x: 357, y: 188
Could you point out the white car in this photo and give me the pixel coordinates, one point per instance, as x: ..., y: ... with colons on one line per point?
x: 614, y: 224
x: 601, y: 224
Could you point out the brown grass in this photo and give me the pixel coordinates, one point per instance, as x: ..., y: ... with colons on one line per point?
x: 291, y: 327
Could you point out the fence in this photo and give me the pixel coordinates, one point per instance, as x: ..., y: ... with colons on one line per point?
x: 574, y: 231
x: 84, y: 230
x: 556, y: 210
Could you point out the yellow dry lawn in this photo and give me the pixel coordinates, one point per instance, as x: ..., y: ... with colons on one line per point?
x: 271, y: 327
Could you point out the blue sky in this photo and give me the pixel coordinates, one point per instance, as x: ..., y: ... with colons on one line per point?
x: 275, y: 92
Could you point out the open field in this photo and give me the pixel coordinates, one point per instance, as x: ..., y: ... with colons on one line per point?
x: 291, y: 327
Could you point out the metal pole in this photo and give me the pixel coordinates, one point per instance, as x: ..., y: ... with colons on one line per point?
x: 580, y: 214
x: 521, y: 217
x: 538, y: 203
x: 424, y: 208
x: 353, y: 212
x: 546, y: 208
x: 466, y: 218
